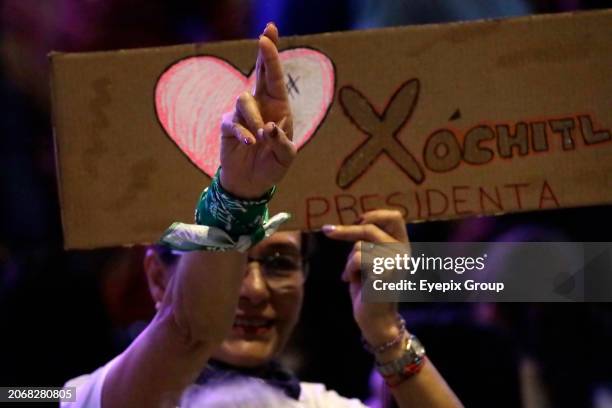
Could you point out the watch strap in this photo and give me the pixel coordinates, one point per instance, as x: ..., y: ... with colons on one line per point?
x: 393, y: 380
x: 413, y: 358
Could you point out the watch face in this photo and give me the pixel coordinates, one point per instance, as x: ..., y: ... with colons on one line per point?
x: 417, y: 347
x: 411, y: 360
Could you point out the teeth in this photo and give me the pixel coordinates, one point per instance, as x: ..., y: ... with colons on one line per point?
x: 250, y: 322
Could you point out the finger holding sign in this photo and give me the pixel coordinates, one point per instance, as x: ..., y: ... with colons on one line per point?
x: 365, y: 232
x: 364, y: 251
x: 377, y: 321
x: 390, y: 221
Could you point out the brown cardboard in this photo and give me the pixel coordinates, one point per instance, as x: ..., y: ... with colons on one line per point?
x: 473, y: 118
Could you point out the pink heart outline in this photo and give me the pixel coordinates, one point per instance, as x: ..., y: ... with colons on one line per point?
x: 192, y: 93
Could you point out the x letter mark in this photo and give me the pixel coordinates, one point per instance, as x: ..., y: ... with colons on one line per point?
x: 382, y: 130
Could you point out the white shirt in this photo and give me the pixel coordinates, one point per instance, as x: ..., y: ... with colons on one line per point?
x: 251, y: 392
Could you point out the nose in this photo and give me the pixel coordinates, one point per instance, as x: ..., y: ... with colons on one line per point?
x: 254, y: 287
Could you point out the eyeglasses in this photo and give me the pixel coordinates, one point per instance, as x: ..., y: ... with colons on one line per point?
x: 282, y: 271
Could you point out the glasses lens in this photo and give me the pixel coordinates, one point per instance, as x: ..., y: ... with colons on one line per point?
x: 283, y: 270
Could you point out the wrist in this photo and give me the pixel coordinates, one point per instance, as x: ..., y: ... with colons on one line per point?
x: 238, y: 191
x: 381, y: 330
x: 393, y: 353
x: 386, y: 339
x: 224, y: 222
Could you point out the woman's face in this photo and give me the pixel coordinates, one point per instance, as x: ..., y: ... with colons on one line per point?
x: 269, y: 304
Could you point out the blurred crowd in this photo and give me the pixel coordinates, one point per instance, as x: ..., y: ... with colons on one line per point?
x: 65, y: 313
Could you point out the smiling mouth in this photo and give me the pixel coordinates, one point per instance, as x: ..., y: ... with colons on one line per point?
x: 252, y: 326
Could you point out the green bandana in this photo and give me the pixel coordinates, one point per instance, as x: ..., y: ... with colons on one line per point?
x: 224, y: 222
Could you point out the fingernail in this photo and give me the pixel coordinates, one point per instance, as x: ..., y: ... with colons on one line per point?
x: 268, y: 25
x: 328, y: 228
x: 246, y: 141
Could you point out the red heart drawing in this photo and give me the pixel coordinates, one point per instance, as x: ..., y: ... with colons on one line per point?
x: 193, y: 94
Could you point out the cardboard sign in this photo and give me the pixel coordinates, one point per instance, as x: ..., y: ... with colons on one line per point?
x: 437, y: 121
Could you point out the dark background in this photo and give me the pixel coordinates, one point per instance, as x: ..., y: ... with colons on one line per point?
x: 63, y: 314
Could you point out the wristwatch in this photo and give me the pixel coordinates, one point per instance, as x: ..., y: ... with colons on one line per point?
x: 396, y: 371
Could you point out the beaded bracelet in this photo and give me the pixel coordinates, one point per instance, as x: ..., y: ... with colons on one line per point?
x: 401, y: 325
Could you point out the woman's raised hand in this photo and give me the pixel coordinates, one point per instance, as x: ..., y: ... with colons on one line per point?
x: 256, y: 138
